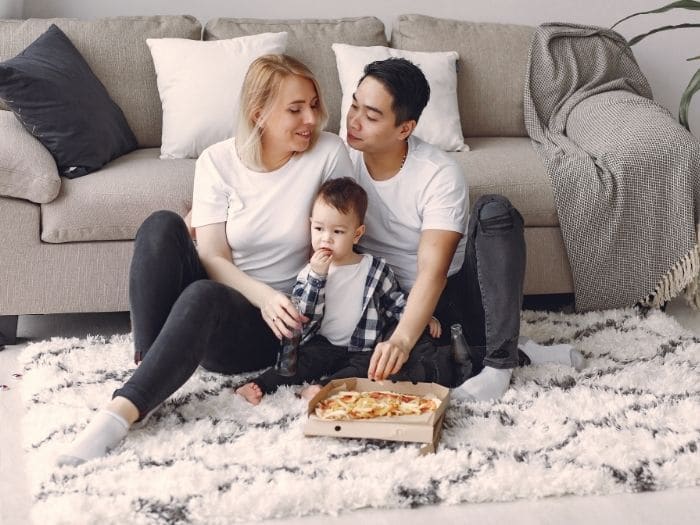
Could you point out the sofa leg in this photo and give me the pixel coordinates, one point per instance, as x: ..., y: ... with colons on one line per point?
x: 8, y: 330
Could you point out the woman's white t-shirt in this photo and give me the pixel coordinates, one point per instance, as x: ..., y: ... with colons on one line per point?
x: 266, y: 213
x: 428, y: 193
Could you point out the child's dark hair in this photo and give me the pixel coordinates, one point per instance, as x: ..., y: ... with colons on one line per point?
x: 405, y: 82
x: 345, y: 195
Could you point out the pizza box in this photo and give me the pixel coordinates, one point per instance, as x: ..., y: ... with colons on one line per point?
x: 425, y: 428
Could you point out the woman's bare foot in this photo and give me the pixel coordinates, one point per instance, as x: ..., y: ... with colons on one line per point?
x: 310, y: 391
x: 251, y: 392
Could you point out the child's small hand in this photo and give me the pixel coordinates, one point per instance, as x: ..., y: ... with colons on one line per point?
x: 321, y: 260
x: 434, y: 328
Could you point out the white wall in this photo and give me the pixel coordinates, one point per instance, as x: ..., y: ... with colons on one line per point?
x: 11, y: 8
x: 661, y: 56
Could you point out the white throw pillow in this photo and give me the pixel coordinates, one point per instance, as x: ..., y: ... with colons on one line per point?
x: 199, y: 83
x: 439, y: 123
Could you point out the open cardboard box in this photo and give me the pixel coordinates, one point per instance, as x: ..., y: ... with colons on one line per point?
x: 425, y: 428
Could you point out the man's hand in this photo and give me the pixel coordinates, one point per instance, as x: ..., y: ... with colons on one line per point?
x: 387, y: 359
x: 434, y: 328
x: 321, y: 261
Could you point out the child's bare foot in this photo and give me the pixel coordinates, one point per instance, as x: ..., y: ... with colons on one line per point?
x: 310, y: 391
x: 251, y: 392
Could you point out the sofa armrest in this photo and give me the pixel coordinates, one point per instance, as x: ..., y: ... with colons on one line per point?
x: 27, y: 169
x: 42, y: 278
x: 619, y: 126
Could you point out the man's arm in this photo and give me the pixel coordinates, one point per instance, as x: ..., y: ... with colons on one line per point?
x: 435, y: 251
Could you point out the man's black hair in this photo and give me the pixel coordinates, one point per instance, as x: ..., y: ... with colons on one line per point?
x: 405, y: 82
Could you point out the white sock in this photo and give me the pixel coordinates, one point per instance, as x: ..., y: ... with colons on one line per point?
x: 103, y: 433
x: 562, y: 354
x: 490, y: 383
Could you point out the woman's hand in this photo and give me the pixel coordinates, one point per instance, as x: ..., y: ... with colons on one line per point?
x: 321, y: 261
x: 280, y: 315
x: 387, y: 359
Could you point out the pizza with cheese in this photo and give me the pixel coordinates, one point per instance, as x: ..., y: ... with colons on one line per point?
x: 367, y: 405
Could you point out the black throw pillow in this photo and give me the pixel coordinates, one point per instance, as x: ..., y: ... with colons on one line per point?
x: 58, y: 99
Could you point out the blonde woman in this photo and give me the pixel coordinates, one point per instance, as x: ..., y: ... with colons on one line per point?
x: 223, y: 304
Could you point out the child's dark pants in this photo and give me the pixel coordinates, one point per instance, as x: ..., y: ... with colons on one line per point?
x: 320, y: 359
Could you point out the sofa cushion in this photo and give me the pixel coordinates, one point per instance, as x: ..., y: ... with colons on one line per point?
x: 58, y: 99
x: 200, y: 85
x: 27, y: 169
x: 112, y: 203
x: 116, y: 51
x: 509, y: 166
x: 491, y: 68
x: 310, y: 41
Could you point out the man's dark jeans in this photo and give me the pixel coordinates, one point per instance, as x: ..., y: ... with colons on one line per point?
x: 181, y: 319
x: 486, y: 295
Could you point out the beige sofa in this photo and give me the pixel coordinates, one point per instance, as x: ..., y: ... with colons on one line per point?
x: 71, y: 253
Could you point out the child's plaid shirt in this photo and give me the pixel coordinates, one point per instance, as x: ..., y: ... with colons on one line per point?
x: 383, y: 301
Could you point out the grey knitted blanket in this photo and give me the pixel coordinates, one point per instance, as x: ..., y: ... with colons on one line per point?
x: 625, y: 174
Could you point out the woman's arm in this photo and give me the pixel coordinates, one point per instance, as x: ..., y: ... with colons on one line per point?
x: 275, y: 307
x: 435, y: 251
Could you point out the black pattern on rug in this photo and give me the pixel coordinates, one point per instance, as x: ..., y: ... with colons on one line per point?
x: 628, y: 422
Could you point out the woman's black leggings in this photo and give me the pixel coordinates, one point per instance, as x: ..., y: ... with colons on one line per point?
x: 181, y: 319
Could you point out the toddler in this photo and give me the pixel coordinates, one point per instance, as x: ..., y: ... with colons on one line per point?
x: 352, y: 301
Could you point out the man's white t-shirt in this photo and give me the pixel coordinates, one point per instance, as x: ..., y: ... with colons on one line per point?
x: 428, y: 193
x: 266, y: 213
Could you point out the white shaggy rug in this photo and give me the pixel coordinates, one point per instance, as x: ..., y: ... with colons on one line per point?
x: 629, y: 422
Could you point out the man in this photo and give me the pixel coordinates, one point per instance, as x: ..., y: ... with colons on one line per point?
x: 417, y: 221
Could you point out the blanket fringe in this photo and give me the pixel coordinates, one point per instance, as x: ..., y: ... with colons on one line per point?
x: 682, y: 278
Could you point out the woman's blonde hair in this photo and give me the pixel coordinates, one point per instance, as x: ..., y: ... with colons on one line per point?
x: 260, y: 89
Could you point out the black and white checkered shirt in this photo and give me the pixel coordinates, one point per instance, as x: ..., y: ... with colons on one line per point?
x: 383, y: 301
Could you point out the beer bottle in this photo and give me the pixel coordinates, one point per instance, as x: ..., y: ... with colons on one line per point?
x: 287, y: 356
x: 459, y: 347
